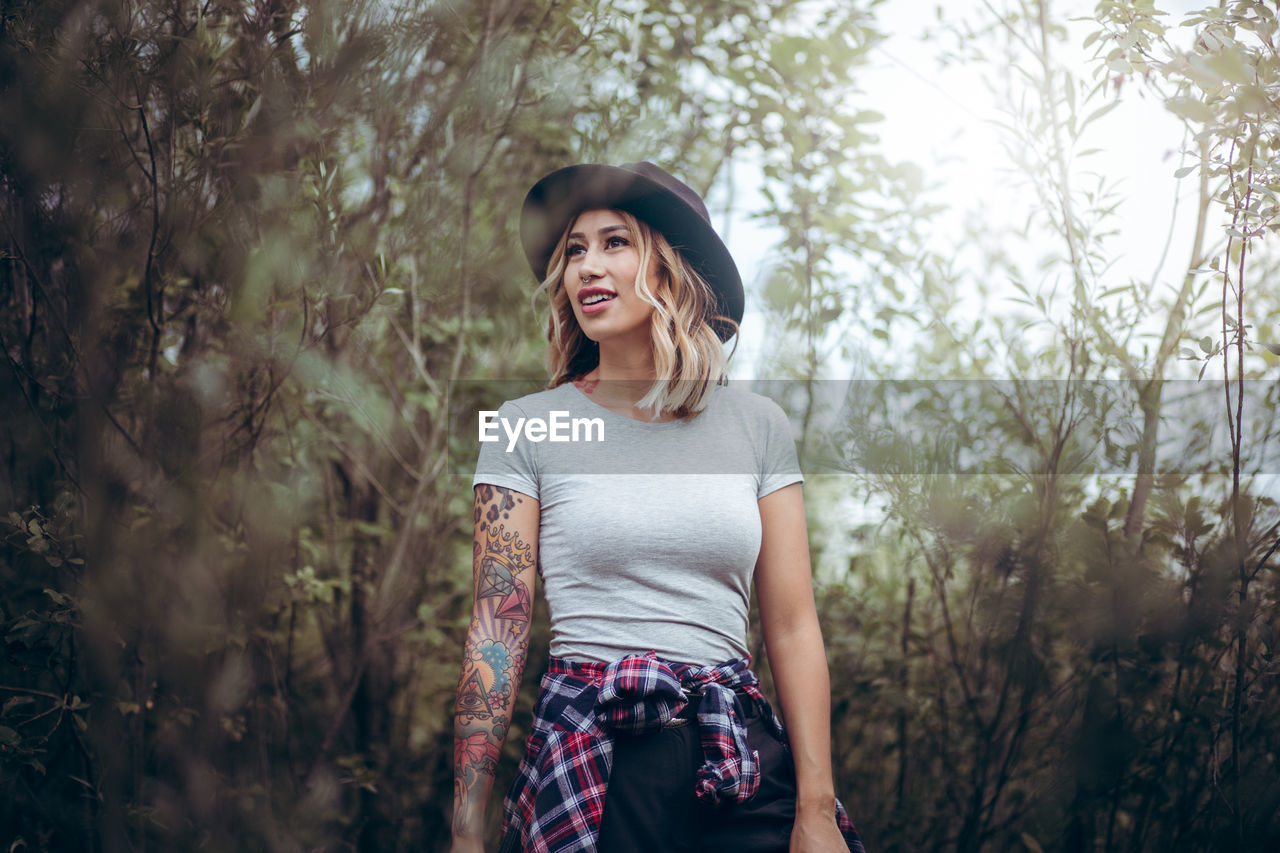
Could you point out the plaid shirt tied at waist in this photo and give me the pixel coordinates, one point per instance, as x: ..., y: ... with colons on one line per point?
x: 557, y: 800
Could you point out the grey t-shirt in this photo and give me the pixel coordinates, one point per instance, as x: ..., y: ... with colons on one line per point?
x: 649, y: 531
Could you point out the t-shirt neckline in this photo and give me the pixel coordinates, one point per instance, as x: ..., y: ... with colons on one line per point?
x: 612, y: 414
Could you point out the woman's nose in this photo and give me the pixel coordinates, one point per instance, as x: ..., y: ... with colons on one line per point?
x: 592, y: 263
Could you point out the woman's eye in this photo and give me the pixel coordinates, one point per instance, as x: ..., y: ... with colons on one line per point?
x: 574, y: 249
x: 614, y: 242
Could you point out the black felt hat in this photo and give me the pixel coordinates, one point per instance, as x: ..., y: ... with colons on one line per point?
x: 653, y: 196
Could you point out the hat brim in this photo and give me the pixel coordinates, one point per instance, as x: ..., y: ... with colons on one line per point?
x: 563, y: 194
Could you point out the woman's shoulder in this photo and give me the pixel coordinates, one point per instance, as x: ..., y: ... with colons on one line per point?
x: 744, y: 402
x: 560, y: 396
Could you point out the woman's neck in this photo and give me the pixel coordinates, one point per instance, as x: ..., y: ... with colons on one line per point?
x: 626, y: 366
x: 620, y: 380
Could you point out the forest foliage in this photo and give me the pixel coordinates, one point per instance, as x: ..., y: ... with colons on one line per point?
x: 252, y: 248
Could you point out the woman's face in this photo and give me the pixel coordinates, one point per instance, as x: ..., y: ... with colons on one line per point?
x: 602, y: 264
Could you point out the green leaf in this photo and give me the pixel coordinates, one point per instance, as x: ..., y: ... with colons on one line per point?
x: 1252, y: 99
x: 1099, y: 113
x: 1184, y: 171
x: 1206, y: 343
x: 1190, y: 109
x: 1231, y: 65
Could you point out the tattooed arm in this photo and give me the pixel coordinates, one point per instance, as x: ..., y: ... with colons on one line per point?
x: 505, y: 556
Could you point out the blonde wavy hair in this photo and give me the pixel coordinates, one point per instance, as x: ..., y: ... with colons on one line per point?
x: 688, y: 356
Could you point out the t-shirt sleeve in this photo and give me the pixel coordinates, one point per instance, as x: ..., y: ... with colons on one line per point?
x: 497, y: 466
x: 779, y: 464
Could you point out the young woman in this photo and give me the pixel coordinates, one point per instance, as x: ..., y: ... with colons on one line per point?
x: 646, y: 528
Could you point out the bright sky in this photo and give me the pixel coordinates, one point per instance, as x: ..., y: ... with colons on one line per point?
x: 943, y: 121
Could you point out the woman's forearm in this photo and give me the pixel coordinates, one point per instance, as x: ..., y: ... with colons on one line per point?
x: 505, y: 560
x: 482, y: 715
x: 798, y: 660
x: 803, y: 686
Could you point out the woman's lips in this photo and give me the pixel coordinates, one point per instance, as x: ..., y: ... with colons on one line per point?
x: 596, y: 307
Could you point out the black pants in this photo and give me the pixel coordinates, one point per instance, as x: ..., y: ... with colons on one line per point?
x: 650, y: 805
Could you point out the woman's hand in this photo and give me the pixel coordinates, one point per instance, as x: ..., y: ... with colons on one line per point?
x: 505, y: 557
x: 816, y: 831
x: 466, y: 845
